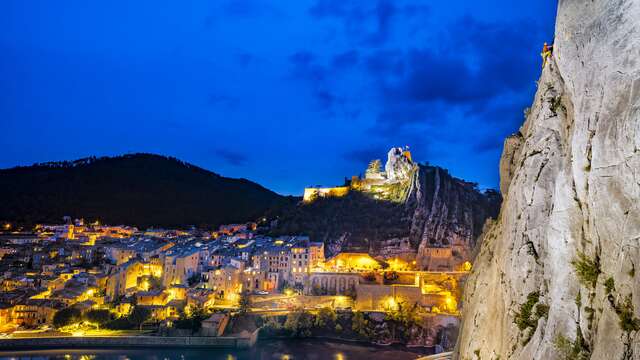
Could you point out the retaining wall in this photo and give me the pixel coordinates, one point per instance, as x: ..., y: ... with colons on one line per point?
x: 128, y: 341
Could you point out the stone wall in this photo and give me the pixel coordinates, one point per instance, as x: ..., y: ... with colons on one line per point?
x: 128, y: 341
x: 332, y: 283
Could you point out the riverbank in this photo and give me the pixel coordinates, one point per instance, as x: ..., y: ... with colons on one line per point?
x: 73, y: 342
x: 294, y: 349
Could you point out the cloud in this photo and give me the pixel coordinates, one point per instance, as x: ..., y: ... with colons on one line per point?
x: 381, y: 63
x: 384, y: 12
x: 248, y: 8
x: 465, y: 85
x: 220, y: 12
x: 344, y: 9
x: 483, y: 73
x: 345, y: 60
x: 221, y: 100
x: 367, y: 22
x: 305, y: 66
x: 476, y: 68
x: 244, y: 59
x: 231, y: 157
x: 364, y: 156
x: 485, y: 144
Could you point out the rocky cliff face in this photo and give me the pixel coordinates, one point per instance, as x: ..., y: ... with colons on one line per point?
x: 398, y: 166
x: 556, y: 276
x: 447, y: 211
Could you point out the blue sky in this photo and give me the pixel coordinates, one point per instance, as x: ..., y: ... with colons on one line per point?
x: 285, y: 93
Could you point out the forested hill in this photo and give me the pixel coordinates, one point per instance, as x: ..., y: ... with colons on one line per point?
x: 135, y: 189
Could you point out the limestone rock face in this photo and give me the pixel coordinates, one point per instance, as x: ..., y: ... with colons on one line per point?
x: 571, y: 186
x: 398, y: 166
x: 447, y: 212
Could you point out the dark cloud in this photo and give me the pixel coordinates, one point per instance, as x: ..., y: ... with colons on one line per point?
x: 247, y: 8
x: 361, y: 157
x: 364, y: 156
x: 384, y: 12
x: 415, y: 10
x: 502, y: 119
x: 479, y: 66
x: 483, y: 73
x: 305, y: 66
x: 367, y: 22
x: 385, y: 62
x: 231, y: 157
x: 487, y: 144
x: 221, y: 100
x: 347, y: 59
x: 345, y: 9
x: 221, y: 11
x: 471, y: 77
x: 396, y: 115
x: 245, y: 59
x: 433, y: 77
x: 327, y: 99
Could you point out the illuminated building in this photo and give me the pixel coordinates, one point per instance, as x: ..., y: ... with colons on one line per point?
x: 312, y: 193
x: 225, y: 280
x: 35, y: 312
x: 123, y: 278
x: 352, y: 262
x: 180, y: 265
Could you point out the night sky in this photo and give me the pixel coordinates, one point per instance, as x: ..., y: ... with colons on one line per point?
x: 285, y: 93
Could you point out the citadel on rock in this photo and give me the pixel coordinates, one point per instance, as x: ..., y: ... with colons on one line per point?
x: 392, y: 183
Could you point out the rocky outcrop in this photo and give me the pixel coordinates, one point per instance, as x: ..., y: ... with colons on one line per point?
x: 437, y: 210
x: 448, y: 211
x: 398, y: 167
x: 556, y: 274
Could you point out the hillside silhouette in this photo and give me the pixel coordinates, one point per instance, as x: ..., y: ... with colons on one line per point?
x: 135, y: 189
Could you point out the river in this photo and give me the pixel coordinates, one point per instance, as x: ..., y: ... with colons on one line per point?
x: 264, y: 350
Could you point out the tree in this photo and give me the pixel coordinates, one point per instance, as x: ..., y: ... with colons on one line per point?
x: 360, y: 325
x: 194, y: 279
x: 121, y: 323
x: 273, y: 323
x: 403, y: 318
x: 98, y: 316
x: 316, y: 290
x: 244, y: 304
x: 155, y: 282
x: 325, y: 317
x: 369, y: 276
x: 139, y: 315
x: 390, y: 276
x: 194, y: 321
x: 374, y: 166
x: 351, y: 292
x: 66, y: 317
x: 299, y: 323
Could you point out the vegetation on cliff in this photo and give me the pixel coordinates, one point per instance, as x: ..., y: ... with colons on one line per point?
x: 139, y: 189
x: 357, y: 217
